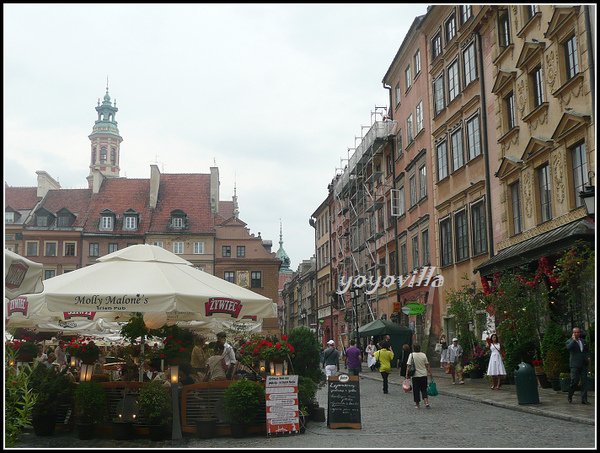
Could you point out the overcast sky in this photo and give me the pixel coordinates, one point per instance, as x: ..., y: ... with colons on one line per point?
x: 273, y: 94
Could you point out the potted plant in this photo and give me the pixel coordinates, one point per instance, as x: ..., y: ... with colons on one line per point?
x: 154, y: 403
x: 307, y: 350
x: 52, y: 388
x: 84, y: 349
x: 25, y: 350
x: 90, y: 407
x: 555, y: 355
x: 242, y: 401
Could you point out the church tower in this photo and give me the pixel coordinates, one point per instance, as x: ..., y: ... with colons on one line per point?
x: 106, y: 141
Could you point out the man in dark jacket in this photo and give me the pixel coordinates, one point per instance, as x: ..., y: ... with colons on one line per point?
x: 579, y: 358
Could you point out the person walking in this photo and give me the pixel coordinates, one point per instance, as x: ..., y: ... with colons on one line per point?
x: 331, y: 359
x: 496, y: 366
x: 353, y: 359
x: 419, y: 361
x: 443, y: 351
x: 385, y: 356
x: 370, y: 350
x: 455, y: 353
x: 403, y: 359
x: 579, y: 359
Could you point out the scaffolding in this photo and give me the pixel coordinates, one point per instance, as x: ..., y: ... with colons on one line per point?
x: 360, y: 191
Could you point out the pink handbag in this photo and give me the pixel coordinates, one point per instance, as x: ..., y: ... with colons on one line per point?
x: 406, y: 385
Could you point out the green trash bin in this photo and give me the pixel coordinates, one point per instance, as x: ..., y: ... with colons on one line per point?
x: 526, y: 384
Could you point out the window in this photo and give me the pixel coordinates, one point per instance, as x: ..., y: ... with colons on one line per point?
x: 453, y: 81
x: 537, y: 82
x: 442, y: 160
x: 425, y: 243
x: 389, y: 164
x: 509, y: 105
x: 503, y: 29
x: 106, y: 222
x: 31, y: 248
x: 113, y: 247
x: 113, y: 156
x: 229, y: 276
x: 177, y: 222
x: 415, y: 251
x: 158, y: 243
x: 226, y: 251
x: 419, y: 111
x: 49, y: 273
x: 50, y: 248
x: 403, y: 259
x: 9, y: 217
x: 409, y: 128
x: 478, y: 221
x: 446, y: 241
x: 399, y: 143
x: 397, y: 94
x: 392, y: 261
x: 64, y: 221
x: 465, y: 13
x: 198, y: 248
x: 103, y: 155
x: 438, y: 93
x: 515, y: 201
x: 458, y: 159
x: 397, y: 202
x: 580, y: 171
x: 178, y: 247
x: 422, y: 182
x: 94, y: 249
x: 41, y: 220
x: 532, y: 10
x: 571, y: 58
x: 241, y: 251
x: 469, y: 64
x: 436, y: 46
x: 407, y: 77
x: 70, y: 249
x: 412, y: 184
x: 450, y: 28
x: 545, y: 191
x: 462, y: 235
x: 417, y: 60
x: 130, y: 222
x: 256, y: 279
x: 473, y: 138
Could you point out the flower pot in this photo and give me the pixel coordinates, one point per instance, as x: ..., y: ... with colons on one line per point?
x: 86, y: 431
x: 206, y: 429
x: 238, y: 430
x: 122, y: 430
x: 44, y: 424
x: 555, y: 382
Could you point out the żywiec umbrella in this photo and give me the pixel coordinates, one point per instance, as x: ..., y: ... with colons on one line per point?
x: 21, y: 275
x: 148, y: 278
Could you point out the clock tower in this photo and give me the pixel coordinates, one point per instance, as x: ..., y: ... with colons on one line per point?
x: 106, y: 141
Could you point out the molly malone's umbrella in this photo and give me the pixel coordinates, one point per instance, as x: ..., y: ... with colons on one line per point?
x: 21, y: 275
x: 148, y: 278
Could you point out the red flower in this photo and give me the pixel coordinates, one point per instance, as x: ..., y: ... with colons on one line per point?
x: 284, y: 337
x: 278, y: 345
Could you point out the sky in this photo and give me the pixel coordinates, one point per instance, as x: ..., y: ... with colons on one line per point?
x: 274, y: 95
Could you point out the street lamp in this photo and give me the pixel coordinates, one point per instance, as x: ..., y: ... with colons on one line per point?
x: 588, y: 195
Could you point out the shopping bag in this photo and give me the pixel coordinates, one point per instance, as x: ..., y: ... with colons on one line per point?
x: 377, y: 364
x: 406, y: 385
x: 432, y: 388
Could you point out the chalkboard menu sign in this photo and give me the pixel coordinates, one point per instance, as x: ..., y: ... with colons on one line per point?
x: 343, y: 402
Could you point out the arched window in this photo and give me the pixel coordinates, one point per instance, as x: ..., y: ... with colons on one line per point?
x: 103, y: 155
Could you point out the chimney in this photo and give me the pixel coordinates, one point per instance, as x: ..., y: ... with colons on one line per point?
x: 267, y: 245
x: 45, y: 182
x: 154, y: 185
x: 214, y: 189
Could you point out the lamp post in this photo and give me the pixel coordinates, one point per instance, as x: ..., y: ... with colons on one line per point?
x: 176, y: 426
x: 588, y: 195
x: 354, y: 297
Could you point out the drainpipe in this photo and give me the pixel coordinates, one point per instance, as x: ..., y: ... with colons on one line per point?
x: 397, y: 270
x: 590, y: 48
x: 486, y: 157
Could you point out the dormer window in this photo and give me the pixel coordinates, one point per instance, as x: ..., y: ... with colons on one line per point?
x: 43, y: 218
x: 107, y: 220
x: 65, y: 218
x: 178, y: 220
x: 130, y: 220
x: 9, y: 217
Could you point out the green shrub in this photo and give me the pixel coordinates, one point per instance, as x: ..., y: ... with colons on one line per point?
x: 242, y: 400
x: 154, y: 402
x: 554, y: 351
x: 90, y: 402
x: 51, y: 387
x: 307, y: 390
x: 19, y: 400
x: 306, y: 362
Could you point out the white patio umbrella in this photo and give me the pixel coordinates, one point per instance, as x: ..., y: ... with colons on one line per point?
x: 148, y: 278
x: 21, y: 275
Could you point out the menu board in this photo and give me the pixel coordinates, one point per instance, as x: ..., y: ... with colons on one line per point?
x: 281, y: 398
x: 343, y: 402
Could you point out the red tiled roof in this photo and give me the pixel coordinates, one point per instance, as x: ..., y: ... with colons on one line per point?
x: 75, y: 200
x: 225, y: 211
x: 118, y: 195
x: 189, y: 193
x: 20, y: 198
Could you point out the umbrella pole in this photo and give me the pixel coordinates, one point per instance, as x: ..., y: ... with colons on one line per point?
x: 141, y: 367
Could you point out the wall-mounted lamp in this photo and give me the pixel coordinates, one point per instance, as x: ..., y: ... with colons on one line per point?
x: 86, y: 372
x: 73, y: 362
x: 588, y: 195
x: 262, y: 367
x: 174, y: 374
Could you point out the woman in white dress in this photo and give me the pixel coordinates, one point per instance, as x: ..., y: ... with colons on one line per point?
x: 496, y: 366
x: 370, y: 349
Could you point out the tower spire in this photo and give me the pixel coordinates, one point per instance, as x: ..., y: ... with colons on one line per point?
x: 281, y: 254
x: 236, y: 209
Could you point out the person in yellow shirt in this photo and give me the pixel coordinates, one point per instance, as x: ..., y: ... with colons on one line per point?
x: 199, y: 357
x: 385, y: 357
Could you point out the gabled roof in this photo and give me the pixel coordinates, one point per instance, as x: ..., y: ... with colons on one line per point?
x: 20, y: 197
x: 76, y: 201
x: 535, y: 146
x: 569, y: 122
x: 530, y: 49
x: 507, y: 166
x: 189, y: 193
x: 118, y: 195
x: 559, y: 18
x: 225, y: 211
x: 502, y: 79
